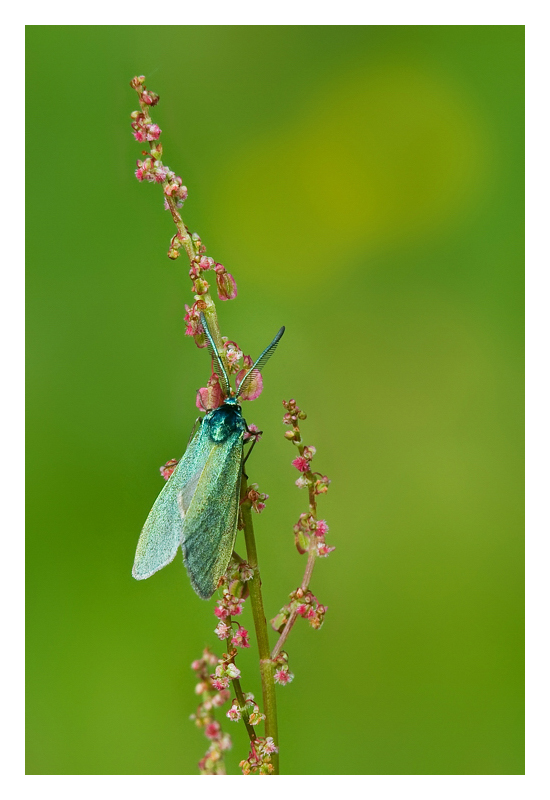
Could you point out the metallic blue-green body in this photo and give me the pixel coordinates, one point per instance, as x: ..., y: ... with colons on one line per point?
x: 199, y: 506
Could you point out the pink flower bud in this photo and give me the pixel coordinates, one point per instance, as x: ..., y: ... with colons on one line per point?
x: 227, y: 286
x: 167, y: 469
x: 200, y: 286
x: 194, y: 327
x: 150, y: 98
x: 136, y: 82
x: 321, y: 486
x: 256, y: 498
x: 324, y: 550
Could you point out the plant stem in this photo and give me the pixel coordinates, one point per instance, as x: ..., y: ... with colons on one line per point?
x: 312, y: 553
x: 267, y: 668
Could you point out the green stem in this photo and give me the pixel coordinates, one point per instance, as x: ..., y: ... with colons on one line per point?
x: 267, y: 668
x: 242, y: 703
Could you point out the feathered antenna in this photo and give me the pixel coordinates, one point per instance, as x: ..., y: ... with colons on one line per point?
x: 260, y: 361
x: 219, y: 368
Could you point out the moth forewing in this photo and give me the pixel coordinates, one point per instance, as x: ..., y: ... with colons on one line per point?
x: 210, y: 524
x: 161, y: 534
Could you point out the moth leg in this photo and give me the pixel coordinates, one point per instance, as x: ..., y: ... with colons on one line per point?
x: 197, y: 422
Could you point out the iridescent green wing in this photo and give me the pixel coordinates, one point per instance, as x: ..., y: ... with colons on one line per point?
x: 162, y: 532
x: 210, y: 523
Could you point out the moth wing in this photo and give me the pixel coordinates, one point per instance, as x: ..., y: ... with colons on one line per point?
x: 210, y: 524
x: 162, y: 532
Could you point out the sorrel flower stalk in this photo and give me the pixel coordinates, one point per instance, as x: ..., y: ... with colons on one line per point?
x: 151, y: 169
x: 309, y: 538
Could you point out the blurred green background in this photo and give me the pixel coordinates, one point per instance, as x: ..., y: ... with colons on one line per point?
x: 365, y: 187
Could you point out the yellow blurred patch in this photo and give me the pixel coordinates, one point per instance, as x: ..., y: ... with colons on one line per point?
x: 375, y: 158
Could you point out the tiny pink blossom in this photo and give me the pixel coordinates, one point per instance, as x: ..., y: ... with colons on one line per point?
x: 181, y: 196
x: 153, y: 132
x: 321, y: 527
x: 222, y: 630
x: 234, y: 713
x: 324, y: 550
x: 301, y: 464
x: 139, y: 135
x: 194, y: 326
x: 160, y: 174
x: 221, y: 612
x: 235, y: 606
x: 283, y: 676
x: 167, y: 469
x: 270, y: 746
x: 220, y: 683
x: 240, y: 638
x: 140, y: 172
x: 212, y: 730
x: 233, y: 355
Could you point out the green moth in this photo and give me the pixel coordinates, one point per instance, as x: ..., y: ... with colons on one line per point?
x: 198, y: 508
